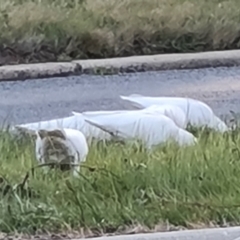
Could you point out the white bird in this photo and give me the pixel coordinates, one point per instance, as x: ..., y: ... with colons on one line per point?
x: 74, y: 122
x: 148, y: 128
x: 198, y: 113
x: 66, y: 146
x: 171, y: 111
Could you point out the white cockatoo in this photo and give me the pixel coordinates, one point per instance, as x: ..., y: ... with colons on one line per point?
x: 198, y: 113
x: 149, y: 128
x: 171, y: 111
x: 63, y: 146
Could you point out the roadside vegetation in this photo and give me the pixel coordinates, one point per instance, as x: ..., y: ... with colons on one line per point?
x: 62, y: 30
x: 120, y: 187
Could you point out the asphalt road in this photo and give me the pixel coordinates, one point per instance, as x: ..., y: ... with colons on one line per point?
x: 35, y: 100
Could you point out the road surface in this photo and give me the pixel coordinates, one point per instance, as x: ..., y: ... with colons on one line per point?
x: 35, y: 100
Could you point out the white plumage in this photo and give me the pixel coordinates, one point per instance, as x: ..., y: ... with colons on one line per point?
x: 91, y: 132
x: 171, y: 111
x: 148, y: 128
x: 65, y: 146
x: 198, y: 113
x: 74, y: 122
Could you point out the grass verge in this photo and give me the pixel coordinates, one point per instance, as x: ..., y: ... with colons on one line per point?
x: 62, y: 30
x: 122, y: 186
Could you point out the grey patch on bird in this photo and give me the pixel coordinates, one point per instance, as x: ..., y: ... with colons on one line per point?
x: 102, y: 128
x: 54, y: 133
x: 56, y: 152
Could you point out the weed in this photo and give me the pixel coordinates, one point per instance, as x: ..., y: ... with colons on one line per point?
x: 40, y: 31
x: 121, y: 185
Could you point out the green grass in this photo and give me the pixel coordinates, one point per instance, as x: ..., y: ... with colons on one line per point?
x: 121, y: 186
x: 61, y: 30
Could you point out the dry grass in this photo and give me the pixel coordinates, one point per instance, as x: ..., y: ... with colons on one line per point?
x: 57, y: 30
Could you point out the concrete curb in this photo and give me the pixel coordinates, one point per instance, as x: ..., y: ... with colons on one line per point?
x: 120, y: 65
x: 38, y: 70
x: 230, y: 233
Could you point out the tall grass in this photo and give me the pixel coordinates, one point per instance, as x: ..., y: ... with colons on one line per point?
x: 122, y: 186
x: 44, y: 30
